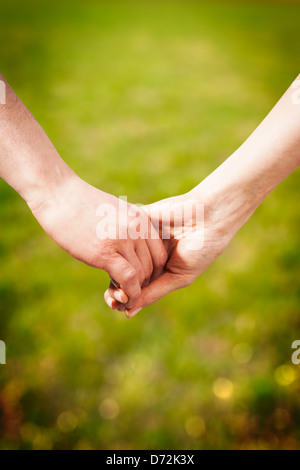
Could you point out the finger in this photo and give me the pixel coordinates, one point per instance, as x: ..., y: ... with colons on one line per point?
x: 126, y: 276
x: 113, y: 303
x: 114, y: 283
x: 110, y: 301
x: 118, y: 296
x: 144, y: 256
x: 117, y: 293
x: 121, y: 308
x: 157, y: 289
x: 159, y: 257
x: 132, y: 258
x: 156, y: 245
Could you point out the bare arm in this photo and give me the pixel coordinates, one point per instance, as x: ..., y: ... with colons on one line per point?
x: 66, y: 206
x: 230, y: 195
x: 29, y: 163
x: 265, y: 159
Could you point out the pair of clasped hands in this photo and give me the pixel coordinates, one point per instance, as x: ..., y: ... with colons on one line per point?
x: 168, y: 252
x: 153, y: 250
x: 147, y: 251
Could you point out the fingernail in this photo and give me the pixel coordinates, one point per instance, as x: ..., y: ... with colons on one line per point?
x: 132, y: 314
x: 118, y: 297
x: 109, y: 302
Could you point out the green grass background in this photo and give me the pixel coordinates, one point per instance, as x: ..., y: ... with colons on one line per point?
x: 145, y: 99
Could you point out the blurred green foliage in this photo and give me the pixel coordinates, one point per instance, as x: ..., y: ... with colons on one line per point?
x: 145, y: 99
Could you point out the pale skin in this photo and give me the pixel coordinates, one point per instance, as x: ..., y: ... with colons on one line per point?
x: 66, y: 206
x: 230, y: 196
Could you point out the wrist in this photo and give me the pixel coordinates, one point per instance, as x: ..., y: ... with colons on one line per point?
x: 50, y: 186
x: 228, y: 203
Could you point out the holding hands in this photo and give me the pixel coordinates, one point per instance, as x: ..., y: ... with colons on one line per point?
x: 151, y: 251
x: 71, y: 219
x: 191, y: 247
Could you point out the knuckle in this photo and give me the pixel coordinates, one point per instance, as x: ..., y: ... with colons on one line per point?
x: 130, y: 275
x: 106, y: 250
x: 103, y: 254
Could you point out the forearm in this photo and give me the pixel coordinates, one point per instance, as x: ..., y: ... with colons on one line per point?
x: 269, y: 155
x: 67, y: 207
x: 29, y: 162
x: 229, y: 195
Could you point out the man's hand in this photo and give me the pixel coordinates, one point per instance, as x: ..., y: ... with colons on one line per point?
x: 71, y: 217
x: 70, y: 210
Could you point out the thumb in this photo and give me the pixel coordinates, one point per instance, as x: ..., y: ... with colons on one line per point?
x: 165, y: 284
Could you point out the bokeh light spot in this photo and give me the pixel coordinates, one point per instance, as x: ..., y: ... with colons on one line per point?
x: 109, y: 408
x: 242, y: 353
x: 285, y: 375
x: 195, y: 426
x: 42, y: 442
x: 67, y: 421
x: 29, y: 431
x: 223, y: 388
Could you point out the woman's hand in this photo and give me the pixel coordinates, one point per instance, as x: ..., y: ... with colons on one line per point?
x: 192, y: 245
x: 230, y: 196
